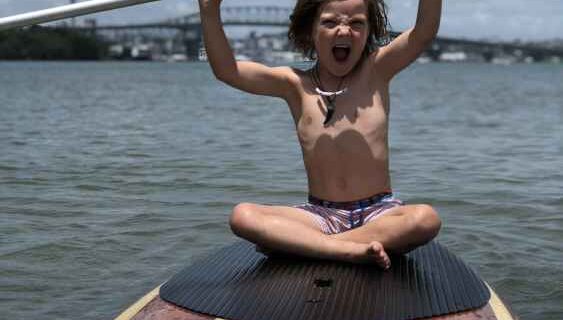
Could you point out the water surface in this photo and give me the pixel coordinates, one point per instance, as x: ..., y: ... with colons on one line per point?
x: 113, y: 176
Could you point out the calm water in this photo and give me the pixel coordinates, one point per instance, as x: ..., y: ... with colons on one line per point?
x: 114, y: 176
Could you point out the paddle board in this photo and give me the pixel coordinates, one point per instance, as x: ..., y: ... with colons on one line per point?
x: 152, y: 307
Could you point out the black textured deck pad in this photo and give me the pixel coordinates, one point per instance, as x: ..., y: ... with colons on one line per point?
x: 239, y: 283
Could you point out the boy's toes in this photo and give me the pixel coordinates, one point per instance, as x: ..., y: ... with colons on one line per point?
x: 381, y: 257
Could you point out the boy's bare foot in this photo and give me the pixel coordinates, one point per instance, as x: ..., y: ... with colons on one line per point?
x: 370, y: 253
x: 374, y: 252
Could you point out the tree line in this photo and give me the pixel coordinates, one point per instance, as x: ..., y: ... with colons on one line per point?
x: 43, y: 43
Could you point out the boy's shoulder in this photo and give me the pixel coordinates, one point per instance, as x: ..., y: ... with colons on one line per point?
x: 295, y: 76
x: 293, y: 71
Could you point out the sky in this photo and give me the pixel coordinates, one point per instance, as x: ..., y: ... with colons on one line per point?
x: 469, y: 19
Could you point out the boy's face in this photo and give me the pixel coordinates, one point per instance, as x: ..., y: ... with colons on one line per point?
x: 340, y: 34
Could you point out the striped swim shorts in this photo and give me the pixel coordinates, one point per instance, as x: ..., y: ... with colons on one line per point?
x: 337, y: 217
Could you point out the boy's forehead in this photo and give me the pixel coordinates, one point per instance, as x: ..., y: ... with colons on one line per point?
x: 349, y: 7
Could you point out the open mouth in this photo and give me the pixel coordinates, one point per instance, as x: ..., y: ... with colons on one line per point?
x: 341, y: 52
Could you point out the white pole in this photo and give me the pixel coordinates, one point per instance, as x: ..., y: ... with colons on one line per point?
x: 67, y: 11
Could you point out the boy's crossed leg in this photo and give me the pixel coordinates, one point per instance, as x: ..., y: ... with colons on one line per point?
x: 399, y: 230
x: 295, y: 231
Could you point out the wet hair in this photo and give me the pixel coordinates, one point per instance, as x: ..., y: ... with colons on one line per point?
x: 305, y: 14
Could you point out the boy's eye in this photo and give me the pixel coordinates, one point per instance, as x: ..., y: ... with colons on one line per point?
x: 328, y: 23
x: 357, y: 24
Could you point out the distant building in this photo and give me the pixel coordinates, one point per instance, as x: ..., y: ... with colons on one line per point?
x: 202, y: 54
x: 459, y: 56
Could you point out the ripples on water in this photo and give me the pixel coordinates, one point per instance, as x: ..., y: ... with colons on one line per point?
x: 115, y: 175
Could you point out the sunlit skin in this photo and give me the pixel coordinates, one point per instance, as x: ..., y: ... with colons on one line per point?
x: 348, y: 158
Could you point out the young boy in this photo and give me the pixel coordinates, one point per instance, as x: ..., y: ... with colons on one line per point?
x: 341, y: 112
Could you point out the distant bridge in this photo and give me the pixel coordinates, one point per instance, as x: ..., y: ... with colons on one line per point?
x: 267, y: 16
x: 189, y: 28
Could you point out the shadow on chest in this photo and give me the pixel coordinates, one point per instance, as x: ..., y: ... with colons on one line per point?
x: 350, y: 123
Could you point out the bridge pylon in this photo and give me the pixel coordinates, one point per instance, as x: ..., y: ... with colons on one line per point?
x: 192, y: 39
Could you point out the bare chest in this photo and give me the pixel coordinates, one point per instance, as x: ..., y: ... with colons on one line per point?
x: 358, y: 120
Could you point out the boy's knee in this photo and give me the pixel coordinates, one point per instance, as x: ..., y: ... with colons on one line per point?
x: 428, y: 221
x: 242, y: 218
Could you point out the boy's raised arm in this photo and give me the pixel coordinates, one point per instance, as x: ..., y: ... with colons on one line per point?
x: 244, y: 75
x: 410, y: 44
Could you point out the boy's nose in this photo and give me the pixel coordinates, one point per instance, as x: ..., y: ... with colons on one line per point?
x: 344, y: 29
